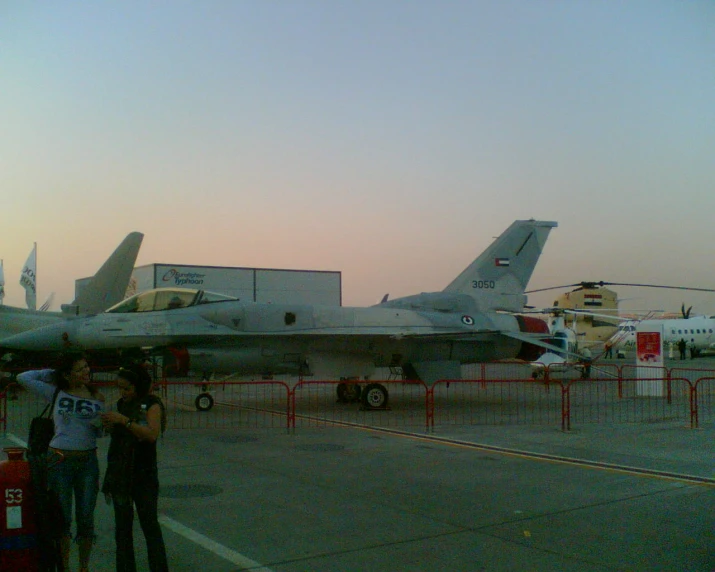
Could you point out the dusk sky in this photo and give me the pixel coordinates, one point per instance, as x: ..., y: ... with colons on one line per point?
x: 390, y: 140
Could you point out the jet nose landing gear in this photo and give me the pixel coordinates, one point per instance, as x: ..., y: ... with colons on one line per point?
x: 204, y: 401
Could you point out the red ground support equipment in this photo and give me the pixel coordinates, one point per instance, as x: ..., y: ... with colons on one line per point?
x: 18, y: 531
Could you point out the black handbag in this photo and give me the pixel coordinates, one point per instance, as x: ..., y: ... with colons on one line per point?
x: 42, y: 429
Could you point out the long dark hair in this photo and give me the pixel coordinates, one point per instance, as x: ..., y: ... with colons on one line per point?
x: 139, y: 377
x: 66, y: 363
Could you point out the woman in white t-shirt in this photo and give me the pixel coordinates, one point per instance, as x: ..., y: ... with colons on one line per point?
x: 72, y: 458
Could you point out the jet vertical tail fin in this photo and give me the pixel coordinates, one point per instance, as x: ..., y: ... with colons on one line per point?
x: 498, y: 277
x: 109, y: 285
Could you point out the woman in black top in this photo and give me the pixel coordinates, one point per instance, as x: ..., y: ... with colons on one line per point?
x: 132, y: 477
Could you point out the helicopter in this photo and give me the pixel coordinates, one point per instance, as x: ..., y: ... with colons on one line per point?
x: 571, y: 356
x: 618, y: 331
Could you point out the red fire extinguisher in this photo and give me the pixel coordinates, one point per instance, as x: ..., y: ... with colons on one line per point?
x: 18, y: 530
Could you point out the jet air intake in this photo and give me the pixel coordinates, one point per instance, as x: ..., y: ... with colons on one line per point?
x: 529, y: 325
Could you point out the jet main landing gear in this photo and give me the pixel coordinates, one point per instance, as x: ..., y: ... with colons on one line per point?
x: 374, y: 396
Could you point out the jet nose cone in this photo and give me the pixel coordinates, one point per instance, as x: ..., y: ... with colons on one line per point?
x: 48, y: 338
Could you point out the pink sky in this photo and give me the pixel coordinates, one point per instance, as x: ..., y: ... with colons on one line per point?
x: 386, y: 141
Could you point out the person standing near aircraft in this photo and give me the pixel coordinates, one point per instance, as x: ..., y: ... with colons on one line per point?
x: 132, y: 477
x: 586, y: 359
x: 72, y: 458
x: 608, y: 347
x: 682, y: 346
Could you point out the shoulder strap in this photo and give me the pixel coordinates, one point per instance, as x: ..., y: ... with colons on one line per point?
x: 50, y: 406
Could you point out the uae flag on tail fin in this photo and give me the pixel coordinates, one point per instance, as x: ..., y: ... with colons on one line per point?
x: 501, y: 262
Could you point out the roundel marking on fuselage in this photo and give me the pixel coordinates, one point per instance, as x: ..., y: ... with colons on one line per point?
x: 468, y: 320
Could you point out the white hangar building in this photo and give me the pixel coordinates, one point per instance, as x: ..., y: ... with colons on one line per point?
x: 267, y: 285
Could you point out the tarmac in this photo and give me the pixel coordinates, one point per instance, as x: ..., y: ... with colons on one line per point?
x: 606, y: 496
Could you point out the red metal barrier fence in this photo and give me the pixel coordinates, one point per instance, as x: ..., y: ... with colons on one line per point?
x: 704, y: 403
x: 501, y: 393
x: 494, y: 402
x: 3, y: 411
x: 627, y: 400
x: 316, y: 403
x: 234, y: 404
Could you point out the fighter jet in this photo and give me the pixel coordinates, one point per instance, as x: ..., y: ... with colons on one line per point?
x: 105, y: 289
x: 428, y: 335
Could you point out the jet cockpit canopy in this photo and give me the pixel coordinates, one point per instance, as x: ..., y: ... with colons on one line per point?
x: 161, y: 299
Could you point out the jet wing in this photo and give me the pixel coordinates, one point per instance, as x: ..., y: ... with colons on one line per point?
x: 460, y: 337
x: 537, y: 342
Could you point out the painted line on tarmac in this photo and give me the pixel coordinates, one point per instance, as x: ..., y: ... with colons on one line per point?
x: 612, y: 467
x: 637, y: 471
x: 531, y: 455
x: 212, y: 546
x: 196, y: 537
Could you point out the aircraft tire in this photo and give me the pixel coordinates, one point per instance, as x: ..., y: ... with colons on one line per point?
x: 375, y: 396
x: 204, y: 402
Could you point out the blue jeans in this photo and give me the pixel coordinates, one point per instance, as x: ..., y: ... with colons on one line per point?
x: 75, y: 476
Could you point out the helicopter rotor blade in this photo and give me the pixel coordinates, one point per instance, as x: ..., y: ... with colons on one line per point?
x: 593, y: 285
x: 661, y: 286
x: 552, y: 288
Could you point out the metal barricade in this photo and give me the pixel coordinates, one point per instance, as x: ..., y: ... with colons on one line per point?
x: 500, y: 393
x: 628, y: 400
x: 703, y: 401
x: 493, y: 402
x: 3, y: 411
x: 316, y: 404
x: 230, y: 404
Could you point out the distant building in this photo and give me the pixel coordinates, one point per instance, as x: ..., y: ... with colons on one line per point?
x: 252, y: 284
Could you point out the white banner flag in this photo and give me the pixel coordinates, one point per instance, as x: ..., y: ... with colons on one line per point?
x: 2, y: 283
x: 28, y: 279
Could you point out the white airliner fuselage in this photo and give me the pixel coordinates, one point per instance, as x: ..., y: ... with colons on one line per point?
x: 698, y: 332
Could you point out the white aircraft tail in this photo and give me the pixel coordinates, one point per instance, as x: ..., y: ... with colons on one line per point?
x: 109, y: 284
x: 48, y: 303
x: 498, y: 277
